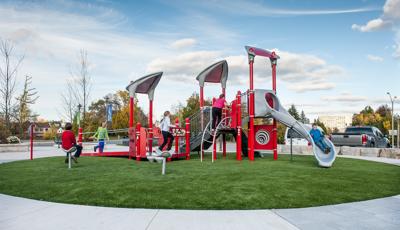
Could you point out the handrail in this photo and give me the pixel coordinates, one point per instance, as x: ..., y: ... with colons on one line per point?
x: 220, y: 124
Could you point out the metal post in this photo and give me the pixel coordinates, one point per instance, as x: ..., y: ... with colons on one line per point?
x: 69, y: 160
x: 150, y: 140
x: 398, y: 131
x: 291, y: 144
x: 31, y: 139
x: 392, y: 123
x: 187, y: 135
x: 138, y: 153
x: 177, y: 137
x: 163, y: 166
x: 274, y: 125
x: 392, y: 127
x: 251, y: 112
x: 131, y: 112
x: 239, y: 127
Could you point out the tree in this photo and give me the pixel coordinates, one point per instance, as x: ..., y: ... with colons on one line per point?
x: 28, y: 97
x: 8, y: 74
x: 381, y: 118
x: 321, y: 124
x: 293, y: 111
x: 81, y: 83
x: 69, y: 105
x: 303, y: 118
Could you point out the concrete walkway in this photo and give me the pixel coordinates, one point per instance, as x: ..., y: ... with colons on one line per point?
x: 22, y: 213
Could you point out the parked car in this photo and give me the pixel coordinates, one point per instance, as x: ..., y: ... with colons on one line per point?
x: 364, y: 136
x: 297, y: 139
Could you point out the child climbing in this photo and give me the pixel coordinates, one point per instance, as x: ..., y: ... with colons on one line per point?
x: 217, y: 107
x: 165, y: 126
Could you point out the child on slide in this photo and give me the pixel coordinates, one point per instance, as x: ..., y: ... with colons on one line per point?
x: 318, y: 138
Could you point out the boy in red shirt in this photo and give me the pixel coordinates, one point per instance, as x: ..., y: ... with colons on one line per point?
x: 68, y: 141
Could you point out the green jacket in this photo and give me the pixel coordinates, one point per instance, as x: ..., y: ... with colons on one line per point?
x: 101, y: 133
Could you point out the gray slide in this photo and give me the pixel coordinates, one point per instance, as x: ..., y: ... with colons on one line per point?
x: 262, y: 108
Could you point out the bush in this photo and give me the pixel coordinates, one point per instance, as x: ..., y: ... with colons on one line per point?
x: 13, y: 140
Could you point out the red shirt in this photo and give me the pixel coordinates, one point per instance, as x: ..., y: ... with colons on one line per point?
x: 68, y: 139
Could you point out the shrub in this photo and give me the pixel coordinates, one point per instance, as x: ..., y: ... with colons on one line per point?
x: 13, y: 140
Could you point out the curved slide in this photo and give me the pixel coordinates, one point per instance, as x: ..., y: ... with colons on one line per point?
x: 280, y: 114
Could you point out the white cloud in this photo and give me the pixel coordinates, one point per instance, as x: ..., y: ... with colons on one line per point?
x: 389, y: 18
x: 391, y: 9
x: 300, y: 72
x: 345, y: 97
x: 183, y: 43
x: 374, y: 58
x: 302, y: 87
x: 373, y: 25
x: 258, y: 8
x: 184, y: 67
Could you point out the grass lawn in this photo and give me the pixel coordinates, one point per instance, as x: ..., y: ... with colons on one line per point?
x: 225, y: 184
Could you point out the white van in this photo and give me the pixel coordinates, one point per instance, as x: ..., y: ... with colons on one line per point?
x: 297, y: 139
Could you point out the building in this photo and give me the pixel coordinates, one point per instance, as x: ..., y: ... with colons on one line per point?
x: 339, y: 122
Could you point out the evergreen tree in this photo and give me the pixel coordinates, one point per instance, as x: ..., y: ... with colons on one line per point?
x: 293, y: 111
x: 303, y: 118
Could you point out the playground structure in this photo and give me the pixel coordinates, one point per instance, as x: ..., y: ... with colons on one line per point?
x: 141, y: 139
x: 259, y: 105
x: 251, y: 119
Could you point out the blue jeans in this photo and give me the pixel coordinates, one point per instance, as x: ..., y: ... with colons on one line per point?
x: 321, y: 144
x: 100, y: 146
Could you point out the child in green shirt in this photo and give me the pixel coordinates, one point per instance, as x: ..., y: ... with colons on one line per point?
x: 101, y: 134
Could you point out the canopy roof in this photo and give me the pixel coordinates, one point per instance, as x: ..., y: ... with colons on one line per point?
x: 261, y: 52
x: 145, y: 85
x: 215, y: 73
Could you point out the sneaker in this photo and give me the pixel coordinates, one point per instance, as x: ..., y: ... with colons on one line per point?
x: 74, y: 158
x: 158, y: 152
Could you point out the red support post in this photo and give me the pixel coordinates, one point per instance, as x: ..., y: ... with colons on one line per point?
x: 187, y: 135
x: 131, y: 112
x: 201, y: 97
x: 239, y: 127
x: 251, y: 112
x: 274, y: 125
x: 150, y: 137
x: 138, y: 153
x: 80, y: 135
x: 31, y: 139
x: 177, y: 137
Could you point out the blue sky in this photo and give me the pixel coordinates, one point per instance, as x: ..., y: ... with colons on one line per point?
x: 336, y: 56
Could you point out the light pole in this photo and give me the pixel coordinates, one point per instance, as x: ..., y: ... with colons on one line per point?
x: 392, y: 127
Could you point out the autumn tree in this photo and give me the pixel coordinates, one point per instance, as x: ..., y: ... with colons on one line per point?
x: 381, y: 118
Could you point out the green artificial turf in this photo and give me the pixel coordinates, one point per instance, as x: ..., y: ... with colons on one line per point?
x: 224, y: 184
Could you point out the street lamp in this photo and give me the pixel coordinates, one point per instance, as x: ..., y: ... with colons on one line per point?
x: 392, y: 101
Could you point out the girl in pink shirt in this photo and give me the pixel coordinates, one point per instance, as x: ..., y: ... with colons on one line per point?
x: 217, y: 107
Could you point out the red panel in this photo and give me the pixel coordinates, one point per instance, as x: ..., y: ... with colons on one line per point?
x: 215, y: 75
x: 263, y: 137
